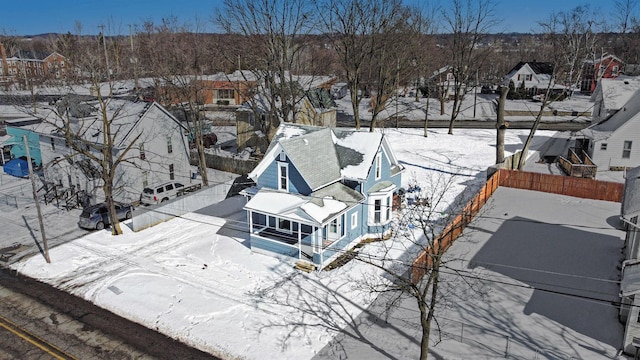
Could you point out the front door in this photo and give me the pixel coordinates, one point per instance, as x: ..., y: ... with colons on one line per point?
x: 334, y: 229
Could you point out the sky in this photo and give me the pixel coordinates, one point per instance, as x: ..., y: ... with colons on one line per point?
x: 39, y: 16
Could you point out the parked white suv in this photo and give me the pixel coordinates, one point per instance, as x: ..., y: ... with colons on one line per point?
x: 161, y: 192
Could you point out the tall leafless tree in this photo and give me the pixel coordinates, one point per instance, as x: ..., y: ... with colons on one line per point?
x: 178, y: 54
x: 625, y: 19
x: 356, y: 29
x: 272, y: 32
x: 571, y: 39
x: 73, y: 121
x: 418, y: 234
x: 466, y: 23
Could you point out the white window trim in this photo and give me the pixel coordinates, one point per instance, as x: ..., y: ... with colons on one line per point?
x: 378, y: 166
x: 383, y: 212
x: 280, y: 165
x: 289, y: 230
x: 626, y: 152
x: 354, y: 220
x: 339, y: 228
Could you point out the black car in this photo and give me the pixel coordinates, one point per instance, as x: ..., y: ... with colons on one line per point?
x: 97, y: 216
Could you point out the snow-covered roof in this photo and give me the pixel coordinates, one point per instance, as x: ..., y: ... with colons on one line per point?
x: 616, y: 92
x: 316, y: 208
x: 357, y: 150
x: 238, y: 75
x: 631, y: 196
x: 629, y: 112
x: 86, y: 119
x: 325, y: 155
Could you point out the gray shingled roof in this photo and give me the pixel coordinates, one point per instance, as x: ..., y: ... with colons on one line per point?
x: 314, y: 156
x: 339, y: 192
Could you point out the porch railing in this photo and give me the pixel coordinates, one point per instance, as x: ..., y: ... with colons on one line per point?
x: 578, y: 164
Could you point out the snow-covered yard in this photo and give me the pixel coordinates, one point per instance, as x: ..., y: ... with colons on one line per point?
x: 195, y: 279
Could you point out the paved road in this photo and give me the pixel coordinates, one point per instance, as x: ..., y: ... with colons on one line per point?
x: 471, y: 124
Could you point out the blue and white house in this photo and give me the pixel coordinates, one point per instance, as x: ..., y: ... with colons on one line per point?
x: 320, y: 191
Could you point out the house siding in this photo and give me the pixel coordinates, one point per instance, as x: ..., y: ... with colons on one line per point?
x: 262, y: 245
x: 612, y: 157
x: 632, y: 328
x: 269, y: 178
x: 156, y: 126
x: 385, y: 174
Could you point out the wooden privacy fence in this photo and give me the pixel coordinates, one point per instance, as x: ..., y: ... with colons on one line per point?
x: 556, y: 184
x: 565, y: 185
x: 454, y: 229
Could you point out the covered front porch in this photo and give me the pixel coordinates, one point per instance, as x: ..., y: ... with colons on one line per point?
x: 291, y: 226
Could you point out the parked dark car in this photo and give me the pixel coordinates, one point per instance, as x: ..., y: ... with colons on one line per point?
x: 97, y: 216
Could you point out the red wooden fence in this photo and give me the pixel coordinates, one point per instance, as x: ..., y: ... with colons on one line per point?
x: 556, y: 184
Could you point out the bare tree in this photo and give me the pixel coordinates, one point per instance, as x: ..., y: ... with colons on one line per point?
x: 272, y: 31
x: 418, y: 234
x: 92, y: 130
x: 390, y: 63
x: 571, y: 38
x: 178, y: 55
x: 625, y: 17
x: 356, y: 30
x: 467, y: 22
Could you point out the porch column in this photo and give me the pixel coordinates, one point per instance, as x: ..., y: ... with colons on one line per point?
x: 320, y: 246
x: 250, y: 222
x: 299, y: 242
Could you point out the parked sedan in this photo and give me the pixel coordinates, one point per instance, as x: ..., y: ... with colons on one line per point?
x: 97, y: 216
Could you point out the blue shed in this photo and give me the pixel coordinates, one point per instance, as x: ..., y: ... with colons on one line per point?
x: 17, y: 167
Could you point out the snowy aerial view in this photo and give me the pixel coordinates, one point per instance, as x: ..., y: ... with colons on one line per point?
x: 320, y: 179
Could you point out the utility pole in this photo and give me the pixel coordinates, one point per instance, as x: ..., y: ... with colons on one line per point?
x: 35, y: 198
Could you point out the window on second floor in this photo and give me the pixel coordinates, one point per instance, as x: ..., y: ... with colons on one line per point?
x: 53, y: 144
x: 143, y: 156
x: 378, y: 166
x: 171, y: 172
x: 283, y: 176
x: 603, y: 146
x: 626, y: 150
x: 225, y: 94
x: 169, y: 145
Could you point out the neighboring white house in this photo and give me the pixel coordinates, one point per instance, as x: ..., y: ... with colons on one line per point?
x: 614, y: 143
x: 630, y: 282
x: 610, y: 96
x: 158, y: 147
x: 536, y: 77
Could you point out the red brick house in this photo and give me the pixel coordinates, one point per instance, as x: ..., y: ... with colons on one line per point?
x: 607, y: 67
